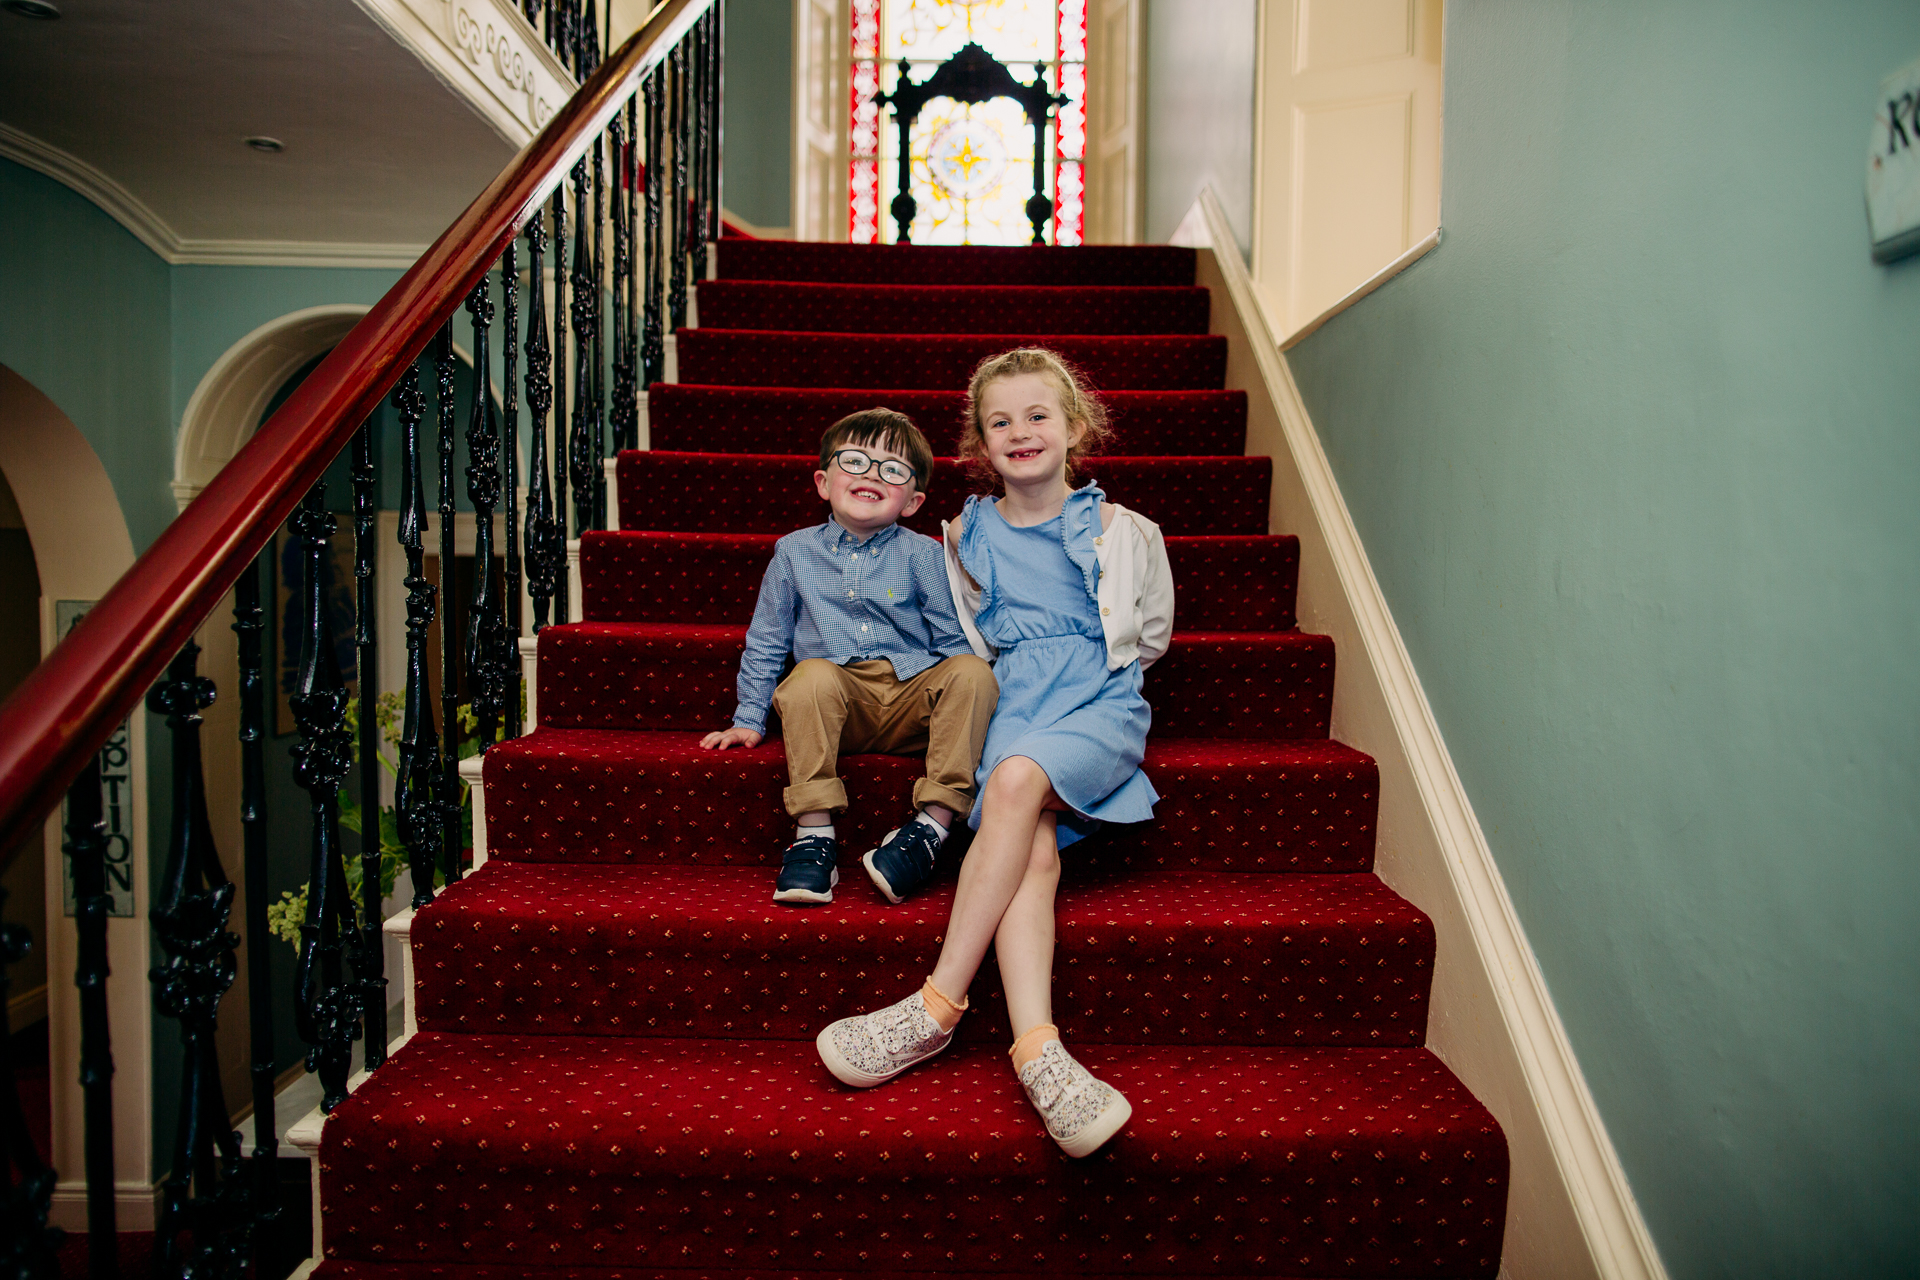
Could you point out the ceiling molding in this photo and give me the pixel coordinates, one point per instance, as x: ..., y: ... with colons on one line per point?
x: 146, y: 226
x: 487, y: 54
x: 294, y: 253
x: 118, y: 203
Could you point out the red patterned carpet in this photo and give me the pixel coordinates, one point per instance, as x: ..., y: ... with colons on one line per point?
x: 615, y: 1076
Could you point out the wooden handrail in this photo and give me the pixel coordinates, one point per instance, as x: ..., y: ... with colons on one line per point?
x: 67, y: 707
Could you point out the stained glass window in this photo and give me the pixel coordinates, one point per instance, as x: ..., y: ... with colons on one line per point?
x: 971, y: 166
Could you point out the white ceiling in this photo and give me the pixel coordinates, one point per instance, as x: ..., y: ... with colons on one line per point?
x: 158, y: 97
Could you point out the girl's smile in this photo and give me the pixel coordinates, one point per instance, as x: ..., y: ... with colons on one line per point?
x: 1027, y: 431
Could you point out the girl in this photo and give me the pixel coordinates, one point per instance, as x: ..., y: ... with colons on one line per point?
x: 1071, y: 598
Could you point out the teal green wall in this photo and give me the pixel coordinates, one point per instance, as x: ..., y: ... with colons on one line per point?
x: 757, y: 150
x: 118, y: 339
x: 84, y: 318
x: 1634, y: 454
x: 1199, y: 59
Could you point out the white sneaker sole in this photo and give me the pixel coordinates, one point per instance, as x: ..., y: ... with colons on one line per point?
x: 1102, y: 1127
x: 846, y: 1073
x: 808, y: 895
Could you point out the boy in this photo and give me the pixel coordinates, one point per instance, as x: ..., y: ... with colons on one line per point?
x: 881, y: 663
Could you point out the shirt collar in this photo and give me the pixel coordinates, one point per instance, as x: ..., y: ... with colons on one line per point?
x: 833, y: 534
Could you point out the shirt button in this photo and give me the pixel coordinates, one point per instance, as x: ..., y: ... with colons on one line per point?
x: 863, y: 626
x: 849, y: 595
x: 1099, y: 542
x: 874, y: 552
x: 1103, y: 613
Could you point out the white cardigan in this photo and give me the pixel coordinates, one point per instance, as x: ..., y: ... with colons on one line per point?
x: 1135, y: 593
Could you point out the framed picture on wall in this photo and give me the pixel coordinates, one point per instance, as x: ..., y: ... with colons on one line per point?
x: 337, y: 594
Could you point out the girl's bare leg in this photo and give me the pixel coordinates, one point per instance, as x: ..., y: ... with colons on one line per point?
x: 1017, y: 793
x: 1024, y: 942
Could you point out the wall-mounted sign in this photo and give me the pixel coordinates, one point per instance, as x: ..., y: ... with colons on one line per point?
x: 116, y: 792
x: 1893, y: 167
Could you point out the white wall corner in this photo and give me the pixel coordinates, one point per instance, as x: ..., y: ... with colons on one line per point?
x: 1570, y: 1211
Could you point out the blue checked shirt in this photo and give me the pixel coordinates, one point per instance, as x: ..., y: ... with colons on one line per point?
x: 829, y: 595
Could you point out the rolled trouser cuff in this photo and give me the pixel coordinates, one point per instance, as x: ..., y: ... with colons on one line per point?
x: 825, y: 794
x: 926, y: 791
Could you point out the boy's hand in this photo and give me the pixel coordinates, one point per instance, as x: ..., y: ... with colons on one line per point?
x: 734, y: 737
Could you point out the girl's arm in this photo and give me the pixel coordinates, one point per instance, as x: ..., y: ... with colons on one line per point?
x: 1156, y: 595
x: 966, y: 592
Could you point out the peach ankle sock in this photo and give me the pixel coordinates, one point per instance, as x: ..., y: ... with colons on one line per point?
x: 1028, y: 1046
x: 943, y: 1011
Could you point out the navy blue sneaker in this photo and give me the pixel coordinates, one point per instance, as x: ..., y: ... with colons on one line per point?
x: 809, y: 873
x: 903, y: 864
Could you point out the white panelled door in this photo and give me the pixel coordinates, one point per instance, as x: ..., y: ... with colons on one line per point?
x: 1348, y: 150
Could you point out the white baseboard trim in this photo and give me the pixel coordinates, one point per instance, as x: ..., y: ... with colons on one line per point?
x: 136, y: 1206
x: 1570, y: 1211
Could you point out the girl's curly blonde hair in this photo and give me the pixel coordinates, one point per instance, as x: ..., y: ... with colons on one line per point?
x: 1076, y: 401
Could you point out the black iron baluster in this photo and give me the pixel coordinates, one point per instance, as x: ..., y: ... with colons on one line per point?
x: 561, y: 587
x: 589, y: 477
x: 542, y: 566
x: 677, y: 265
x: 204, y: 1194
x: 580, y: 445
x: 486, y: 680
x: 446, y: 437
x: 653, y: 350
x: 510, y: 474
x: 326, y: 1006
x: 697, y: 147
x: 621, y: 418
x: 415, y: 791
x: 87, y: 852
x: 248, y: 625
x: 716, y: 112
x: 630, y: 354
x: 28, y: 1246
x: 366, y: 637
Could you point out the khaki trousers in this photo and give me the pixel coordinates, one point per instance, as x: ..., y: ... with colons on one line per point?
x: 826, y: 710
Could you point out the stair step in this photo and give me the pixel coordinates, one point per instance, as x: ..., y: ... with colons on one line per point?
x: 527, y: 948
x: 656, y: 675
x: 765, y: 358
x: 807, y: 307
x: 774, y: 493
x: 715, y: 577
x: 686, y: 416
x: 952, y: 264
x: 610, y: 796
x: 613, y: 1152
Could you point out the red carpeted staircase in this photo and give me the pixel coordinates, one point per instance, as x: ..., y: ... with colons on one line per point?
x: 615, y: 1073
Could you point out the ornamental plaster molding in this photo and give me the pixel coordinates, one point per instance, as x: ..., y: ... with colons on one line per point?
x: 486, y: 52
x: 151, y: 230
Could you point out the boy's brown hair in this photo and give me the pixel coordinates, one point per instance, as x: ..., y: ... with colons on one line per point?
x: 887, y: 428
x: 1076, y: 401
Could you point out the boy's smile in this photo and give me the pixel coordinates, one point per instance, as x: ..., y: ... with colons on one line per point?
x: 866, y: 504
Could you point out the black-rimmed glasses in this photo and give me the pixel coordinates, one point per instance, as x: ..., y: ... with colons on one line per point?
x: 856, y: 463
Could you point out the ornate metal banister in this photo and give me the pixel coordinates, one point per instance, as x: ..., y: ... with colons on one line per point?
x: 610, y: 299
x: 68, y: 706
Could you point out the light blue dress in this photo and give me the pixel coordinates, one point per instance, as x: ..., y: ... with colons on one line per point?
x: 1059, y: 705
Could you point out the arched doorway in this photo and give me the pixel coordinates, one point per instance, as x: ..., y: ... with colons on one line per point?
x: 80, y: 546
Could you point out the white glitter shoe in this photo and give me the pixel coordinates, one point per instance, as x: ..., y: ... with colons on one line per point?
x: 1081, y: 1112
x: 875, y: 1047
